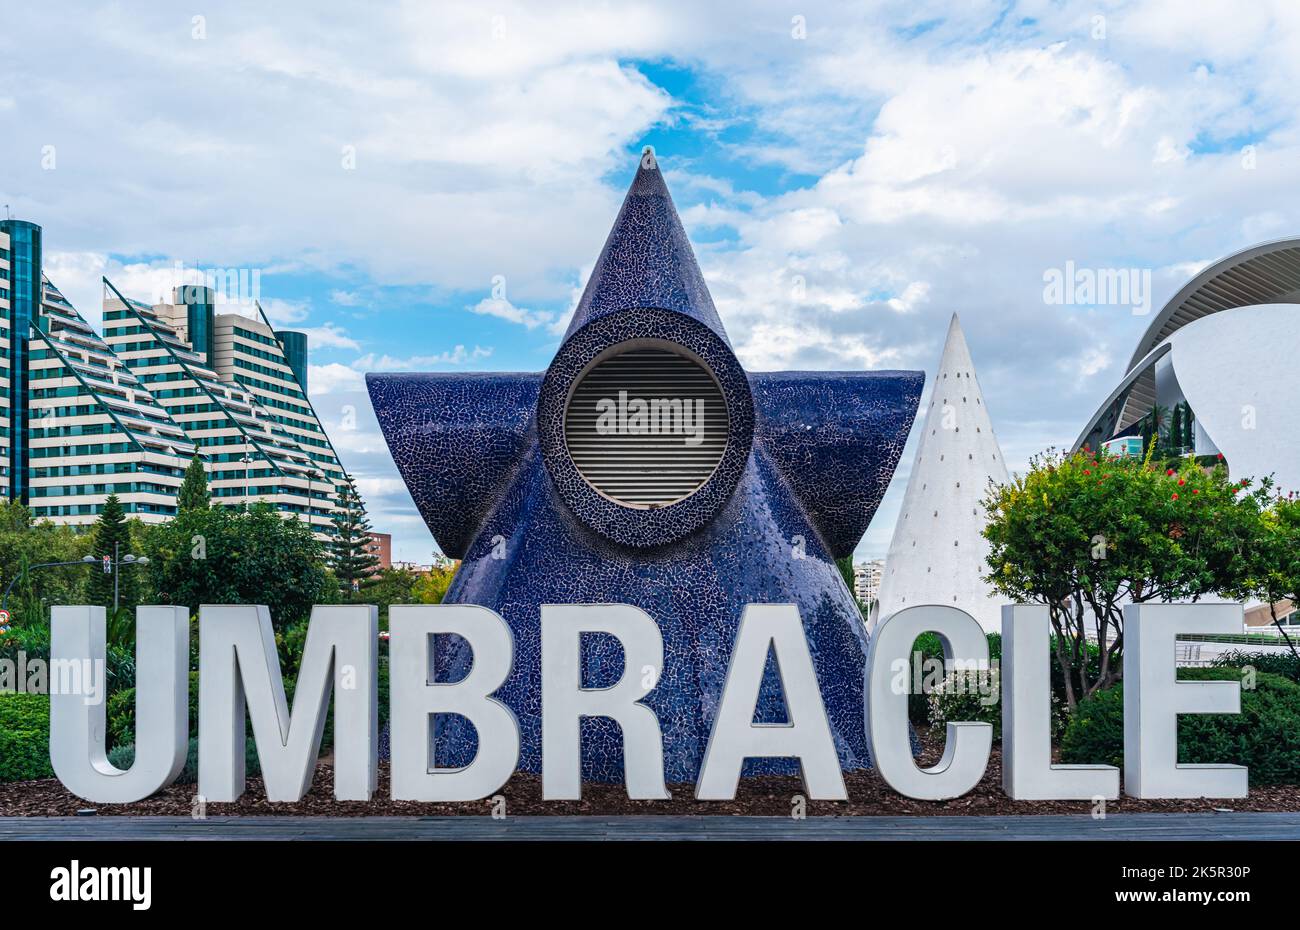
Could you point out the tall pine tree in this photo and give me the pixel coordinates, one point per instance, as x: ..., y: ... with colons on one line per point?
x: 349, y: 549
x: 194, y: 494
x: 112, y: 539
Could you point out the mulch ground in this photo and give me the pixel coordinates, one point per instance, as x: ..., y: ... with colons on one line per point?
x: 761, y: 796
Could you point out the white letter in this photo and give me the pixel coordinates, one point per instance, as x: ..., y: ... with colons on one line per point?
x: 238, y: 662
x: 1027, y: 770
x: 1153, y: 699
x: 807, y: 735
x: 565, y: 702
x: 416, y: 698
x: 162, y: 715
x: 966, y: 747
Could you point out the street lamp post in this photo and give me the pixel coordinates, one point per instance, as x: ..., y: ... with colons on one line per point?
x: 247, y: 460
x: 118, y: 564
x: 312, y: 475
x: 4, y: 602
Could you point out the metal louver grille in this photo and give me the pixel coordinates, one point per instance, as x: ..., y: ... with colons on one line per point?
x: 646, y: 427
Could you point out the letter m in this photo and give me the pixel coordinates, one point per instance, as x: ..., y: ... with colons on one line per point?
x: 239, y: 669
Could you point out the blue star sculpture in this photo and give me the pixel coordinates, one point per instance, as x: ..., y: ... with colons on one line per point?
x: 546, y: 502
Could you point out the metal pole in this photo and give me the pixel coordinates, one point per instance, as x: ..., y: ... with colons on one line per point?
x: 4, y: 602
x: 117, y: 568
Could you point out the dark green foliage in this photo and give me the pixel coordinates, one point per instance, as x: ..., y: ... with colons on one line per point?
x: 219, y: 556
x: 120, y: 712
x: 1095, y: 732
x: 971, y: 705
x: 1265, y: 736
x: 845, y: 565
x: 1279, y: 663
x: 113, y: 539
x: 24, y: 544
x: 349, y: 548
x: 33, y: 642
x: 289, y: 643
x: 123, y: 757
x: 1086, y: 534
x: 383, y: 687
x: 918, y: 702
x: 24, y: 736
x: 193, y: 493
x: 974, y: 698
x: 392, y: 586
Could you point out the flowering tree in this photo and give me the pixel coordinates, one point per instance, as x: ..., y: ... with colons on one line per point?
x: 1272, y: 569
x: 1086, y: 533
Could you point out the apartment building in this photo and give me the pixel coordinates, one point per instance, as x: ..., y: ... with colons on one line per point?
x: 83, y: 416
x: 250, y: 452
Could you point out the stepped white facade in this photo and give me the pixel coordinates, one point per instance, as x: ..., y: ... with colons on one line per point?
x: 937, y: 555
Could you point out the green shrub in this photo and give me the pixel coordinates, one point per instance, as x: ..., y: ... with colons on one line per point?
x: 124, y: 756
x: 121, y: 714
x: 973, y: 697
x: 1279, y: 663
x: 1265, y: 736
x: 382, y: 688
x: 33, y: 641
x: 1094, y: 735
x: 918, y: 702
x: 24, y: 736
x: 289, y: 643
x: 959, y: 698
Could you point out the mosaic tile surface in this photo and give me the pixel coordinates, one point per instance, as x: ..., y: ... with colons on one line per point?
x: 808, y: 459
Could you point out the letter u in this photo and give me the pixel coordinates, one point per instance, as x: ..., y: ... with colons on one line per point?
x: 77, y: 720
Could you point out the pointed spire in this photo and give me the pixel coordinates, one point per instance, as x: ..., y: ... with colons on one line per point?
x: 647, y: 260
x: 937, y: 555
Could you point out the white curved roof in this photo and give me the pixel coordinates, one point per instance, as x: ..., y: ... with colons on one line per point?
x: 1267, y: 273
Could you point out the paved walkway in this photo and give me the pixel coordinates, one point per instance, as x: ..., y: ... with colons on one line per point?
x: 1230, y: 826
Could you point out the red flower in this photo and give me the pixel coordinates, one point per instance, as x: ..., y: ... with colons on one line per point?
x: 1175, y: 497
x: 1195, y: 491
x: 1170, y: 472
x: 1220, y: 456
x: 1087, y: 472
x: 1181, y: 482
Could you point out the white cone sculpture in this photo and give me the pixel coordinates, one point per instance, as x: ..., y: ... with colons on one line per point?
x: 937, y: 555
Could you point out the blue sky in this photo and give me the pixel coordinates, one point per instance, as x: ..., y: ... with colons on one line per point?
x: 850, y: 176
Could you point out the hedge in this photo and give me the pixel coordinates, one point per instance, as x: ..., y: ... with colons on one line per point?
x: 121, y: 714
x: 123, y: 757
x: 24, y: 736
x: 1279, y: 663
x: 1264, y: 736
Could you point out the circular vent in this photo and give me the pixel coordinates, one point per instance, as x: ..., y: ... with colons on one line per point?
x: 646, y: 425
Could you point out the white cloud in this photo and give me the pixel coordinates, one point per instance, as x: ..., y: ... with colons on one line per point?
x: 329, y: 336
x: 457, y: 355
x: 505, y: 310
x: 334, y: 378
x: 285, y: 312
